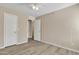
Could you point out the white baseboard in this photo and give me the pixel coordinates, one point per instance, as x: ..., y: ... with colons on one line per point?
x: 21, y: 42
x: 2, y: 47
x: 60, y: 46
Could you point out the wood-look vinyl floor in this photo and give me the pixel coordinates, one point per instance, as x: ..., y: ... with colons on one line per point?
x: 35, y: 48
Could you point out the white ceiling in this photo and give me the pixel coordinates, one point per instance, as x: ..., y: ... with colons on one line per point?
x: 44, y: 8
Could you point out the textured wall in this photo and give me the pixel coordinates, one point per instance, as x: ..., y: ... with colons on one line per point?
x: 61, y: 27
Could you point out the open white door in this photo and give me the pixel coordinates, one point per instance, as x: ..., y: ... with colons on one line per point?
x: 10, y: 29
x: 37, y: 30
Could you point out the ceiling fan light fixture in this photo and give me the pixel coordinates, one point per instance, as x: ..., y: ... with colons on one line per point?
x: 35, y: 7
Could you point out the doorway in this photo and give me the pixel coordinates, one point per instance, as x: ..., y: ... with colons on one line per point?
x: 30, y: 30
x: 34, y: 29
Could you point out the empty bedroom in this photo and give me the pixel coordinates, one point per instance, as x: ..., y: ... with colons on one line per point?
x: 39, y: 28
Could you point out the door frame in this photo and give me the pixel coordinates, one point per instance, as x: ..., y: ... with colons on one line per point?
x: 29, y: 18
x: 29, y: 28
